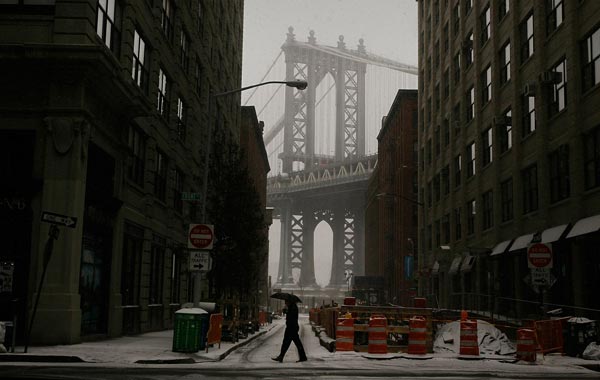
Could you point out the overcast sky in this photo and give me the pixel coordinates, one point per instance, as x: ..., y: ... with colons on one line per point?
x: 388, y: 27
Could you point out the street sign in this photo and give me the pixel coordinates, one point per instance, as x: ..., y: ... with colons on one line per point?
x: 539, y: 255
x: 540, y: 276
x: 201, y: 236
x: 199, y: 261
x: 62, y: 220
x: 185, y: 196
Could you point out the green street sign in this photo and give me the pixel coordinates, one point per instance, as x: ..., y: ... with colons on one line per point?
x: 190, y: 196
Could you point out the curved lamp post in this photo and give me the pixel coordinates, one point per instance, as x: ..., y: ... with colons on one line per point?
x: 298, y: 84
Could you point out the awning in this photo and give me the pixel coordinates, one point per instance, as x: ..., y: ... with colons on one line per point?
x: 501, y: 248
x: 585, y: 226
x: 435, y: 268
x: 553, y: 234
x: 467, y: 264
x: 521, y: 242
x: 455, y: 265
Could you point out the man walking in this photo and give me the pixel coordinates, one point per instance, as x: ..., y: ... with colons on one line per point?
x: 291, y: 333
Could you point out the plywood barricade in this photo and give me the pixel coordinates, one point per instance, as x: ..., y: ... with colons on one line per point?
x: 398, y: 325
x: 214, y: 330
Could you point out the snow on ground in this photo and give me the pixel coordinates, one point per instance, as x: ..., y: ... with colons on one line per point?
x: 491, y: 340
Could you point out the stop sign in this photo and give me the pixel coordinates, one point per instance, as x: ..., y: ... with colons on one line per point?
x: 539, y: 255
x: 201, y: 236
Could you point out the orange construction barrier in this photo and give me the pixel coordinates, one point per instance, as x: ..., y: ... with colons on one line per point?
x: 417, y: 336
x: 464, y: 315
x: 344, y: 334
x: 214, y: 330
x: 526, y: 345
x: 262, y: 318
x: 468, y: 338
x: 549, y: 335
x: 377, y: 334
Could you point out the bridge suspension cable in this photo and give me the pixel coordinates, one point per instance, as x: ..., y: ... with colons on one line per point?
x: 264, y: 77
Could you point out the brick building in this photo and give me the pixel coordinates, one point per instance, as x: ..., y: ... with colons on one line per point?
x: 104, y: 118
x: 508, y: 144
x: 392, y: 206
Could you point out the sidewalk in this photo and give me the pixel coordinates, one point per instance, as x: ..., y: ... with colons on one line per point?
x: 149, y: 348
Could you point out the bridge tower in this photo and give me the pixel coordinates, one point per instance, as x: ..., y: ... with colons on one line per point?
x: 343, y: 212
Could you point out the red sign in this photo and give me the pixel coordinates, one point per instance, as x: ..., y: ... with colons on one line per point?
x: 201, y: 236
x: 539, y: 255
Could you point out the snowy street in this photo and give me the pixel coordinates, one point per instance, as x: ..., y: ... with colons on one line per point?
x: 253, y: 360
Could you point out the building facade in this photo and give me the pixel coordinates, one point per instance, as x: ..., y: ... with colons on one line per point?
x: 392, y: 206
x: 104, y: 118
x: 508, y: 124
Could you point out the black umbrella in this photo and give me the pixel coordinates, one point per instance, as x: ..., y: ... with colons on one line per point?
x: 286, y: 296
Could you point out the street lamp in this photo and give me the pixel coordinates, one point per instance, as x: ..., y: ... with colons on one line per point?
x: 298, y: 84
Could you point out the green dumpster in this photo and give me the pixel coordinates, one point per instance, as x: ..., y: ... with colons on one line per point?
x: 188, y: 330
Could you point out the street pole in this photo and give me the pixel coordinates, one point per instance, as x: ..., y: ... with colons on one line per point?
x: 300, y: 85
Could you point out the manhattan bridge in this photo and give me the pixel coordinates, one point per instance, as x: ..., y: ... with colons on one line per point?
x: 322, y: 151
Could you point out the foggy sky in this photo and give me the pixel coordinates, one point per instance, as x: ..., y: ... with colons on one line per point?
x: 388, y: 27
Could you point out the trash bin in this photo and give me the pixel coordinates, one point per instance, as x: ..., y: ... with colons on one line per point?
x: 580, y: 333
x: 189, y: 335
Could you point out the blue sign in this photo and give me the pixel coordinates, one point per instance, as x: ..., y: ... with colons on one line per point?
x: 408, y: 267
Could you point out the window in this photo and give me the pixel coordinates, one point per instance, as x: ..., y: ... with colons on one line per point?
x: 446, y: 180
x: 486, y: 147
x: 559, y: 174
x: 139, y: 71
x: 486, y: 88
x: 175, y: 278
x: 436, y: 187
x: 446, y: 38
x: 199, y: 16
x: 504, y: 126
x: 558, y: 101
x: 456, y: 118
x: 468, y: 6
x: 505, y: 63
x: 429, y: 237
x: 506, y: 199
x: 457, y: 170
x: 471, y: 217
x: 181, y: 119
x: 468, y: 49
x: 437, y: 233
x: 162, y: 104
x: 503, y: 8
x: 155, y: 280
x: 470, y: 156
x: 457, y: 224
x: 446, y: 228
x: 177, y: 190
x: 488, y: 209
x: 429, y: 194
x: 590, y: 51
x: 470, y: 95
x: 166, y: 20
x: 438, y: 141
x: 184, y: 52
x: 446, y: 84
x: 160, y: 176
x: 554, y: 15
x: 456, y: 65
x: 137, y: 149
x: 436, y: 55
x: 133, y: 249
x: 436, y: 96
x: 455, y: 20
x: 591, y: 158
x: 429, y: 148
x: 530, y: 189
x: 528, y: 104
x: 446, y: 126
x: 526, y: 38
x: 485, y: 21
x: 198, y: 75
x: 109, y: 17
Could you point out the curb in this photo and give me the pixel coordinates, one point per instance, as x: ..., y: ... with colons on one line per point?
x: 242, y: 344
x: 41, y: 358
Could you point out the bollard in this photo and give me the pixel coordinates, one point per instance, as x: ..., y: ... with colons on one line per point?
x: 417, y: 336
x: 468, y: 338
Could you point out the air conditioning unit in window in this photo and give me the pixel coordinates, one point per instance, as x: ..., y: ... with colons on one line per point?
x: 550, y: 77
x: 529, y: 89
x: 502, y: 120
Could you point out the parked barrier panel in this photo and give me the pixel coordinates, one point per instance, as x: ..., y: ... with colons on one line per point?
x: 468, y: 338
x: 417, y: 336
x: 549, y: 335
x: 526, y: 345
x: 377, y: 335
x: 214, y: 330
x: 344, y: 334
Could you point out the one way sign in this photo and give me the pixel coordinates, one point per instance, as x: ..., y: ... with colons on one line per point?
x: 63, y: 220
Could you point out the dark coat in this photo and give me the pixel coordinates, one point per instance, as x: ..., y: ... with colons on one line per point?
x: 291, y: 318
